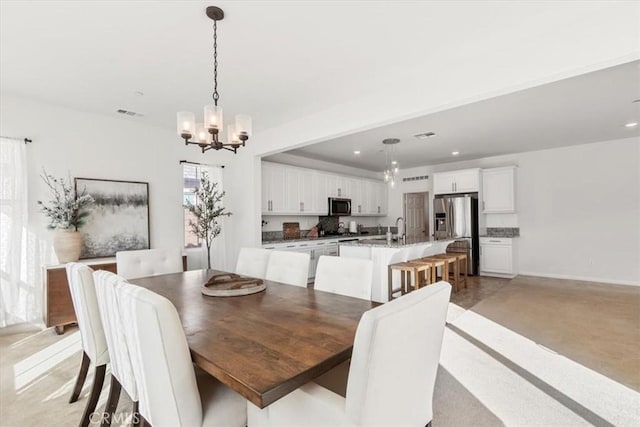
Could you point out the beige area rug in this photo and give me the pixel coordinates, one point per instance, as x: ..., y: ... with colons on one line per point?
x: 491, y: 374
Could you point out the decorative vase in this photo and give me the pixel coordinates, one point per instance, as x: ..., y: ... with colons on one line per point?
x: 67, y: 245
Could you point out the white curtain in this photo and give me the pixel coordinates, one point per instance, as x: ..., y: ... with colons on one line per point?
x: 19, y: 295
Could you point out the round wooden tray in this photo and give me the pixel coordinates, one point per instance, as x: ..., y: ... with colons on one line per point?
x: 232, y: 285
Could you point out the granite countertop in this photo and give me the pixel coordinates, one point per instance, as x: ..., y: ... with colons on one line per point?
x: 313, y: 239
x: 382, y: 242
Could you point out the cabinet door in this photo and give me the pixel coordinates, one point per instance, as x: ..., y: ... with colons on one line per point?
x: 321, y: 194
x: 443, y: 183
x: 354, y: 189
x: 498, y: 190
x: 467, y: 181
x: 278, y: 190
x: 496, y: 259
x: 307, y: 192
x: 381, y: 198
x: 266, y: 189
x: 292, y: 198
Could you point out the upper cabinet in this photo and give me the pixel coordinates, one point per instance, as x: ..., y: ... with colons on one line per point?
x: 289, y: 190
x: 498, y: 190
x: 460, y: 181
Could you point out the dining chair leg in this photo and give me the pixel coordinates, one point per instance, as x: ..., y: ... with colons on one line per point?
x: 112, y: 401
x: 136, y: 417
x: 98, y: 380
x: 82, y: 375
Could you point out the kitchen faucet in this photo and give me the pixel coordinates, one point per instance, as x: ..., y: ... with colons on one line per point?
x: 400, y: 229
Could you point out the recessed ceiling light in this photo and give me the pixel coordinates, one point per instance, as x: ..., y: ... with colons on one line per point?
x: 455, y: 153
x: 631, y: 124
x: 425, y: 135
x: 393, y: 162
x: 356, y: 152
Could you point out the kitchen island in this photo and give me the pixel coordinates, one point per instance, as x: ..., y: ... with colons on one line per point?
x: 383, y: 253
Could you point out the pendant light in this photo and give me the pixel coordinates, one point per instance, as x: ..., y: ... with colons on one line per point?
x: 392, y: 168
x: 208, y: 134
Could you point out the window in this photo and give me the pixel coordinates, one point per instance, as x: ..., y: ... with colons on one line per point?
x: 191, y: 182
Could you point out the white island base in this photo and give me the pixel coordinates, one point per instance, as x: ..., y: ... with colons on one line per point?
x: 382, y: 255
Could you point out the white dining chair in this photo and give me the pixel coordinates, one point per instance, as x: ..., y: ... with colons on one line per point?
x: 94, y: 344
x: 288, y: 267
x: 253, y: 262
x: 122, y: 376
x: 170, y: 391
x: 351, y: 277
x: 392, y: 373
x: 148, y: 262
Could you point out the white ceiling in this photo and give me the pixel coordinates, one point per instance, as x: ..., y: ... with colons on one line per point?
x: 279, y: 60
x: 589, y: 108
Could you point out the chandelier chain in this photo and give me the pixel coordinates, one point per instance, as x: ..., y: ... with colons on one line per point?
x: 216, y: 96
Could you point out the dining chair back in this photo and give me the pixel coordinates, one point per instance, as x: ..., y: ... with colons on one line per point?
x: 163, y: 370
x: 344, y: 276
x: 395, y: 359
x: 94, y: 343
x: 148, y: 262
x: 392, y: 375
x: 288, y: 267
x: 253, y: 262
x: 107, y: 285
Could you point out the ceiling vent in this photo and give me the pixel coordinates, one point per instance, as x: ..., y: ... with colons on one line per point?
x: 425, y: 135
x: 415, y: 178
x: 128, y: 113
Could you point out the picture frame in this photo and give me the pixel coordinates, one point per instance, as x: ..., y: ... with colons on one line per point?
x: 119, y: 218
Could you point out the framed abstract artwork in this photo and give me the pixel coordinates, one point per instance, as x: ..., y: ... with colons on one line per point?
x: 119, y: 218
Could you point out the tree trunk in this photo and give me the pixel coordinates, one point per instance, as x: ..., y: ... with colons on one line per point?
x: 209, y: 257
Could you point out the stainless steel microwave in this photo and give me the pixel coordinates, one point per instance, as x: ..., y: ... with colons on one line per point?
x: 339, y: 207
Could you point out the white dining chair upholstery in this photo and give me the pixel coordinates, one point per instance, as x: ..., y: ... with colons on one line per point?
x: 253, y: 262
x: 122, y: 376
x: 288, y: 267
x: 94, y: 343
x: 392, y: 373
x: 167, y: 384
x: 148, y: 262
x: 344, y: 276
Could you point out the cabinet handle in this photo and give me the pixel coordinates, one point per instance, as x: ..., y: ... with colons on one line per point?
x: 339, y: 192
x: 300, y: 206
x: 495, y: 241
x: 483, y: 205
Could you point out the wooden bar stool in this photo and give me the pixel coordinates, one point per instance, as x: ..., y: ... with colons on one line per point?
x: 449, y: 265
x: 463, y: 266
x: 412, y: 275
x: 433, y: 264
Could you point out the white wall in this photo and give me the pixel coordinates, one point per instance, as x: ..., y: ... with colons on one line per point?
x: 578, y: 209
x: 93, y: 146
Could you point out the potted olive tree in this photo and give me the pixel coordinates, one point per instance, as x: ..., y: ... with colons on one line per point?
x: 207, y: 211
x: 65, y: 216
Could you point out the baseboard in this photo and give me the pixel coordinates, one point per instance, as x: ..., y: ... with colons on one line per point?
x: 580, y: 278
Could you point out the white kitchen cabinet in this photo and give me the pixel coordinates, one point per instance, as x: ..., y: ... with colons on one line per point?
x: 498, y: 257
x: 498, y: 190
x: 274, y: 189
x: 290, y: 190
x: 300, y: 190
x: 460, y: 181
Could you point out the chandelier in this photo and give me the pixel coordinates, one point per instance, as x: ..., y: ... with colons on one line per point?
x: 208, y: 135
x: 392, y: 168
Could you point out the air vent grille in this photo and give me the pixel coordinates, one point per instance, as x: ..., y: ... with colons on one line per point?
x: 415, y: 178
x: 128, y: 113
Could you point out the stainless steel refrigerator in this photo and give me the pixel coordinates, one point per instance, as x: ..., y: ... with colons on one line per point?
x: 456, y: 217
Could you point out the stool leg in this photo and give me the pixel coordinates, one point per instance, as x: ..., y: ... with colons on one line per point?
x: 390, y: 282
x: 402, y: 283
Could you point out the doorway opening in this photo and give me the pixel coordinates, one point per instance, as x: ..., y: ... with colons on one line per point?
x: 416, y: 214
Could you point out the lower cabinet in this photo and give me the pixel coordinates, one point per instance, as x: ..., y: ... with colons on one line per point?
x: 498, y: 257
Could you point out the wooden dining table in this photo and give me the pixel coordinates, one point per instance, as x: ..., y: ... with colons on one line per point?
x: 267, y: 344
